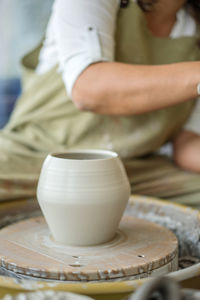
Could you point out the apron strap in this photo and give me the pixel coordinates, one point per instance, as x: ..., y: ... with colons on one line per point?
x: 124, y: 3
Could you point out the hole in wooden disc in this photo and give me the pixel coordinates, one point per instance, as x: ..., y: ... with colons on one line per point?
x: 76, y: 265
x: 141, y: 256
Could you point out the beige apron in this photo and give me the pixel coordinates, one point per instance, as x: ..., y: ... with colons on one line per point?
x: 46, y: 120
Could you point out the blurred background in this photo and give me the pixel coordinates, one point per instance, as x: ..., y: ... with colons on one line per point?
x: 22, y: 26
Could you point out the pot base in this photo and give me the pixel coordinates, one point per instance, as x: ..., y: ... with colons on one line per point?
x: 140, y: 248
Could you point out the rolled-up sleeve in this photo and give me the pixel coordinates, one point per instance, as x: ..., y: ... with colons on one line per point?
x: 193, y: 123
x: 84, y: 34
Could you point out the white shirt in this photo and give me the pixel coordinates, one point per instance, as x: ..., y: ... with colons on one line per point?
x: 81, y: 32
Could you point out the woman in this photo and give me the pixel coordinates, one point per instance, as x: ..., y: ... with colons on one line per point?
x: 129, y: 79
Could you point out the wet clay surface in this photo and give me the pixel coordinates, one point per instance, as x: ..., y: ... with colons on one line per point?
x: 139, y: 248
x: 184, y: 222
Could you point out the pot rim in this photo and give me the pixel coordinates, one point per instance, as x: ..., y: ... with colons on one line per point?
x: 104, y: 155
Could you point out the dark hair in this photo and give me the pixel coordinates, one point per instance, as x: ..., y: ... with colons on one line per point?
x: 194, y: 8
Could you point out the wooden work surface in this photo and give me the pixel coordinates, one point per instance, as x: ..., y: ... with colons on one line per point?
x: 139, y: 249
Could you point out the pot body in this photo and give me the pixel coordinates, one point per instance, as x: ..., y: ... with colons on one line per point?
x: 83, y: 195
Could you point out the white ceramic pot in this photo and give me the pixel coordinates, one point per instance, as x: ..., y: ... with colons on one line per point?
x: 83, y: 195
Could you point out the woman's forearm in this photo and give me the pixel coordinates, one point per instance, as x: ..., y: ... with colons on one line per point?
x: 113, y: 88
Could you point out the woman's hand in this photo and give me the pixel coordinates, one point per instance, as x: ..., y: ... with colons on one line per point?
x: 187, y: 150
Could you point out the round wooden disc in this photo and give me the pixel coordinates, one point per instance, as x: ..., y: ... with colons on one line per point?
x: 138, y: 249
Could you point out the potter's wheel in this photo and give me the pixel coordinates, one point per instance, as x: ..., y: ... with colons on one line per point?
x: 139, y: 249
